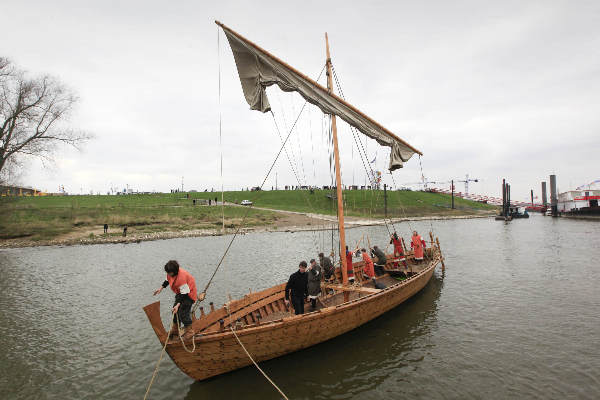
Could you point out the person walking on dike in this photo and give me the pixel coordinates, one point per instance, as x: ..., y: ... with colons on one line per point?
x: 369, y: 268
x: 183, y: 284
x: 416, y: 244
x: 314, y: 283
x: 398, y: 251
x: 297, y: 289
x: 381, y: 261
x: 105, y: 229
x: 326, y: 266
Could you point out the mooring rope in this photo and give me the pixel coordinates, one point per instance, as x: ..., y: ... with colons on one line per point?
x: 162, y: 353
x: 250, y: 357
x: 181, y: 338
x: 256, y: 365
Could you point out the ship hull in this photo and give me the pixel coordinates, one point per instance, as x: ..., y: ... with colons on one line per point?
x: 218, y: 351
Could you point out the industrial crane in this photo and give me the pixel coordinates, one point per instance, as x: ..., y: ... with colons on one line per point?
x: 466, y: 182
x: 426, y: 182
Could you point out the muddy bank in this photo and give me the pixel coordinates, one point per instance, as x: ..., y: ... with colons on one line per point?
x: 290, y: 222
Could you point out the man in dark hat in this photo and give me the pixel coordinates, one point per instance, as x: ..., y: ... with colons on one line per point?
x: 326, y: 266
x: 381, y: 261
x: 297, y: 289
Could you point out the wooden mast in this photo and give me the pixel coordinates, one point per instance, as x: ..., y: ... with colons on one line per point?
x: 338, y: 176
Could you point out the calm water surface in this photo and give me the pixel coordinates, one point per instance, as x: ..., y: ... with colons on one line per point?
x: 515, y: 315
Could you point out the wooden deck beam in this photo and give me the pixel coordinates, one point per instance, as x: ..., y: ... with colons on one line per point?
x: 349, y: 288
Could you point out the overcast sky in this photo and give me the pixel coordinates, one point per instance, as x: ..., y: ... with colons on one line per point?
x: 493, y: 89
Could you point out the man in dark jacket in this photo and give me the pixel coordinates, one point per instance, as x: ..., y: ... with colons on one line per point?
x: 314, y: 283
x: 381, y: 261
x: 326, y: 266
x: 297, y: 289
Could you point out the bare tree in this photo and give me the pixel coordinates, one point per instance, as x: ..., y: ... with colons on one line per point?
x: 33, y: 115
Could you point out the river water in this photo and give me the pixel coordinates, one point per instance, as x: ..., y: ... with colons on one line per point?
x: 516, y: 314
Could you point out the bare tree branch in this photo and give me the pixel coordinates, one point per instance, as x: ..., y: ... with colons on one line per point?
x: 33, y: 115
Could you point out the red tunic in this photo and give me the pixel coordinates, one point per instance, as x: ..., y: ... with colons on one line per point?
x: 349, y: 264
x: 417, y: 245
x: 369, y: 268
x: 398, y: 250
x: 183, y: 282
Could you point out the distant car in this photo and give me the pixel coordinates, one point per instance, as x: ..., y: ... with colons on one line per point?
x: 246, y: 203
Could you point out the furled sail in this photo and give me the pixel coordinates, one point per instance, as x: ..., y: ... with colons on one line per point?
x: 258, y: 69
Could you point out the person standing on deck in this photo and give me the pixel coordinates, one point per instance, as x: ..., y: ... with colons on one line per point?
x: 381, y: 261
x: 349, y: 265
x: 297, y: 289
x: 326, y: 266
x: 368, y: 269
x: 398, y: 250
x: 417, y: 245
x: 183, y: 285
x: 314, y: 283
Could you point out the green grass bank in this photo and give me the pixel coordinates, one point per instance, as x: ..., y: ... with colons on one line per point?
x: 46, y: 218
x: 359, y: 203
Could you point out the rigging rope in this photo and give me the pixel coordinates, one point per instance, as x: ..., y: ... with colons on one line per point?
x: 237, y: 231
x: 297, y: 171
x: 355, y: 134
x: 421, y: 165
x: 220, y: 124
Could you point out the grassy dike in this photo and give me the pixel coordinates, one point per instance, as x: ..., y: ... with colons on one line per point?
x: 47, y: 218
x: 360, y: 203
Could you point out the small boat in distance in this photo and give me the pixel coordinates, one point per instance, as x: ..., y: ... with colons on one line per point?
x: 262, y: 321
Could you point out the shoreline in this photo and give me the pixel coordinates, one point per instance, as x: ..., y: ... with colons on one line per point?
x: 355, y: 222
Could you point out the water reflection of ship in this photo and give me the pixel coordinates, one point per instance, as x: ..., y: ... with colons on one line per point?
x: 370, y: 353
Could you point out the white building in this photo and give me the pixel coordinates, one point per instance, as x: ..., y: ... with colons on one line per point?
x: 577, y: 199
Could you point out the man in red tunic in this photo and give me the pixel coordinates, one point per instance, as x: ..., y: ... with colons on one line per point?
x: 183, y: 284
x: 398, y: 250
x: 417, y: 245
x: 349, y: 265
x: 369, y: 268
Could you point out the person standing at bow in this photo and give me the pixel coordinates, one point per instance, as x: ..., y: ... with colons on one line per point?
x: 417, y: 245
x: 297, y: 289
x: 183, y: 284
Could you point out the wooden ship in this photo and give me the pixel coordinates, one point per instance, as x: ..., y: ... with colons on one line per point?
x: 262, y: 321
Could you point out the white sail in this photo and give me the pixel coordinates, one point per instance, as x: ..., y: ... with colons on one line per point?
x: 258, y: 69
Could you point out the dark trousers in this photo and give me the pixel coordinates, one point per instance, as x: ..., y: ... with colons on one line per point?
x: 185, y: 309
x: 298, y: 304
x: 378, y: 270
